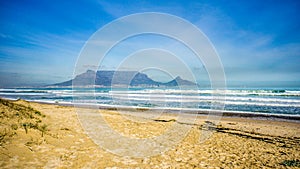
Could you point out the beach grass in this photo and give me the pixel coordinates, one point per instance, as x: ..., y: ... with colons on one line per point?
x: 16, y: 116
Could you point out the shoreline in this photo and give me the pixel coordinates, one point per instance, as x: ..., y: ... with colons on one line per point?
x: 193, y: 111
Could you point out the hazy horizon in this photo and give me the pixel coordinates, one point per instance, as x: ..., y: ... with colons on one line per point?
x: 202, y: 83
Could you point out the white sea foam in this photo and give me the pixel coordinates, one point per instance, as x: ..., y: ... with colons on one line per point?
x: 23, y: 94
x: 190, y: 97
x: 214, y: 92
x: 287, y: 101
x: 209, y: 101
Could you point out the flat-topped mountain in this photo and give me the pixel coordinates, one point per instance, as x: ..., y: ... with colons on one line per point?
x: 119, y: 78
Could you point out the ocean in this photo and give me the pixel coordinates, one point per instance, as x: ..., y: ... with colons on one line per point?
x: 269, y: 101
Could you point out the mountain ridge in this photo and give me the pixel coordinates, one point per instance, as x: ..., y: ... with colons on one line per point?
x: 119, y: 78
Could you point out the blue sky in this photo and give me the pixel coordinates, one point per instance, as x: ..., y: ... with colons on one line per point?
x: 41, y: 40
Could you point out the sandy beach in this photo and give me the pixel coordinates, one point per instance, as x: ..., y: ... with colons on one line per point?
x: 35, y: 135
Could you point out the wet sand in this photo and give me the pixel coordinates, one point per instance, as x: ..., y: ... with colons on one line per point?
x: 51, y: 136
